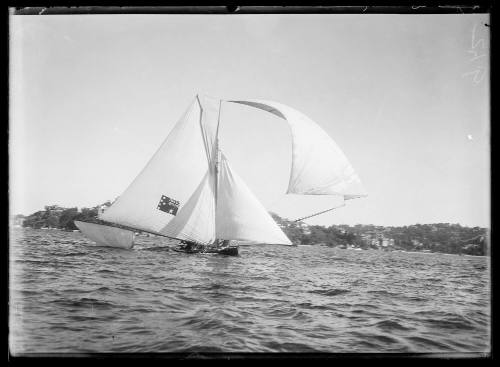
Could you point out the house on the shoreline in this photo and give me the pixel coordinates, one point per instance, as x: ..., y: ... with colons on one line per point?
x: 18, y: 220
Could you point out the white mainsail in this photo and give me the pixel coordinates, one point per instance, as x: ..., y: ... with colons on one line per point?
x: 106, y: 235
x: 172, y: 177
x: 240, y: 215
x: 319, y: 167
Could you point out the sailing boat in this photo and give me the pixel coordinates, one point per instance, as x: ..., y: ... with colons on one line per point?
x: 188, y: 191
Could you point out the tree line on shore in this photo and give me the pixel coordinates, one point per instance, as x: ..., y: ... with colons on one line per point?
x: 62, y: 218
x: 440, y: 237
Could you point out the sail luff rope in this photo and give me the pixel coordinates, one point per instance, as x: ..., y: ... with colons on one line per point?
x: 322, y: 212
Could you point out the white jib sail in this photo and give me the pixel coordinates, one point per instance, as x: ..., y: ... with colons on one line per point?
x: 240, y: 215
x: 106, y: 235
x: 172, y: 179
x: 319, y: 167
x: 195, y: 221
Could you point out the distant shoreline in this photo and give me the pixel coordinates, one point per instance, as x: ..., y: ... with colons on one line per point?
x: 446, y: 238
x: 309, y: 245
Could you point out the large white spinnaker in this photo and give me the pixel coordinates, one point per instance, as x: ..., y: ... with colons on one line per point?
x: 319, y: 167
x: 171, y: 178
x: 240, y: 215
x: 105, y: 235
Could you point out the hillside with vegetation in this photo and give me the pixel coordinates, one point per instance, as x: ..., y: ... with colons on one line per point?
x: 439, y: 237
x: 55, y: 216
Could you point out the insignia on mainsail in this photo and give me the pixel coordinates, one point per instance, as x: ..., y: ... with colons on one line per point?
x: 168, y: 205
x: 189, y: 192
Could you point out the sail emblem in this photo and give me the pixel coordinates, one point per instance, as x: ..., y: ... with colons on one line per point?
x: 168, y: 205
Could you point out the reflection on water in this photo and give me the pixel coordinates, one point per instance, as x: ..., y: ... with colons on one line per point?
x: 70, y: 296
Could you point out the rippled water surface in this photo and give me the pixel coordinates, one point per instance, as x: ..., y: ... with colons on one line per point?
x: 67, y: 295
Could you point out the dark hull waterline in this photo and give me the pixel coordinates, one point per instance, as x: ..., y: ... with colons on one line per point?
x: 228, y: 251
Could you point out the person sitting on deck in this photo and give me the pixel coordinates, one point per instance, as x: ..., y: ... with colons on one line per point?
x: 225, y: 243
x: 190, y: 246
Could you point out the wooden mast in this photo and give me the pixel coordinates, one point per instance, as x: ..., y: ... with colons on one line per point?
x: 216, y: 168
x: 216, y: 157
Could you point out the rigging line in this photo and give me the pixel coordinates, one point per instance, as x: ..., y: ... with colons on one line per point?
x: 322, y: 212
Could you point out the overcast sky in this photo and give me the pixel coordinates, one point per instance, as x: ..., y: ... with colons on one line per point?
x: 406, y: 97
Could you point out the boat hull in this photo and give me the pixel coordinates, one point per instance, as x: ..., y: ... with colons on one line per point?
x: 228, y: 251
x: 106, y: 235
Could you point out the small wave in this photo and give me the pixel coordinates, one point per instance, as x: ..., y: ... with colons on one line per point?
x: 390, y: 325
x: 27, y: 292
x: 85, y: 303
x: 382, y: 292
x: 375, y: 338
x: 453, y: 323
x: 204, y: 324
x: 101, y: 289
x: 385, y: 339
x: 427, y: 342
x: 73, y: 254
x: 364, y: 343
x: 310, y: 306
x: 281, y: 313
x: 140, y: 331
x: 210, y: 287
x: 330, y: 292
x: 417, y: 299
x: 82, y: 318
x: 40, y: 262
x: 364, y: 305
x: 104, y: 271
x: 64, y: 328
x: 142, y: 309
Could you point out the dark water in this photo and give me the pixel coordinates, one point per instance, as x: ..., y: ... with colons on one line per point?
x: 70, y: 296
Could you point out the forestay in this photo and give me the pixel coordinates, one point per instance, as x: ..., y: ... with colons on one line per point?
x: 319, y: 167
